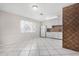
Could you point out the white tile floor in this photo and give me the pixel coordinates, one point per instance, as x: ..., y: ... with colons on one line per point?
x: 40, y: 47
x: 46, y: 47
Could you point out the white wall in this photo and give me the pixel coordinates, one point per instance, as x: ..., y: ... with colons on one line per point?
x: 11, y: 37
x: 49, y: 24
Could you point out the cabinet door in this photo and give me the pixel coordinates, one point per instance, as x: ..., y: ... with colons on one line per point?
x: 71, y: 27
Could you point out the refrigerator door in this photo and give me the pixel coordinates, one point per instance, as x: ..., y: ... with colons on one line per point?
x: 43, y: 30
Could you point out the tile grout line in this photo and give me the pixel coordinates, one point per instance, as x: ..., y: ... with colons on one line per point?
x: 56, y: 50
x: 46, y: 48
x: 51, y: 49
x: 38, y: 48
x: 30, y: 48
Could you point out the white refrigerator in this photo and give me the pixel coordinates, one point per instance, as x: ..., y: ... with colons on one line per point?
x: 43, y: 30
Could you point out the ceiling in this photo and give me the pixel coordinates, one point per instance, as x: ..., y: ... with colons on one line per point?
x: 26, y: 10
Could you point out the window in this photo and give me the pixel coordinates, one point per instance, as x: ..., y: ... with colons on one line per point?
x: 27, y: 26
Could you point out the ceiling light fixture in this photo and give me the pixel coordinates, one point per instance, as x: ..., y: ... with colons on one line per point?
x: 35, y: 7
x: 41, y: 14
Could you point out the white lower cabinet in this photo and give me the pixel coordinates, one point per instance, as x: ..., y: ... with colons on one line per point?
x: 57, y: 35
